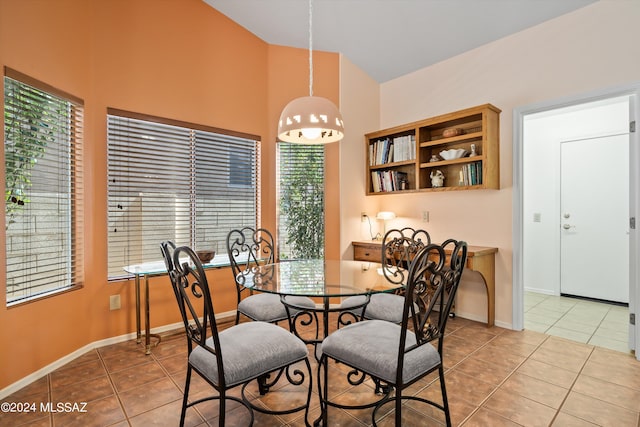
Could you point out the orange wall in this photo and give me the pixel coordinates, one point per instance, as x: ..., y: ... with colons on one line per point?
x: 178, y: 59
x: 285, y: 69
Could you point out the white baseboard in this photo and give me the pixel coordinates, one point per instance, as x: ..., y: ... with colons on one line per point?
x: 539, y: 291
x: 482, y: 319
x: 92, y: 346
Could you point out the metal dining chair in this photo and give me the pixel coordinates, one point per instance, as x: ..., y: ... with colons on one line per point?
x: 399, y: 246
x: 237, y: 355
x: 248, y: 249
x: 401, y: 354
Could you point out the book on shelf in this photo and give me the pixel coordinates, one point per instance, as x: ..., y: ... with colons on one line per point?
x: 471, y: 174
x: 389, y: 180
x: 387, y: 150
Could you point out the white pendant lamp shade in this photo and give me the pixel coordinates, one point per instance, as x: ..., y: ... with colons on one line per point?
x: 310, y: 120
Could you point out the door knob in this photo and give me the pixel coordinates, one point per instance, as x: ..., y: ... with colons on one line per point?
x: 566, y: 226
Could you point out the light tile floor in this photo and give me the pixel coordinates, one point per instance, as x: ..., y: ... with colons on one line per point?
x: 589, y: 322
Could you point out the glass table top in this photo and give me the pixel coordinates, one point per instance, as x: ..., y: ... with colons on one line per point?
x: 153, y: 268
x: 320, y: 278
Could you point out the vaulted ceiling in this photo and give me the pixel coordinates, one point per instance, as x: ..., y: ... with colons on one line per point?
x: 391, y: 38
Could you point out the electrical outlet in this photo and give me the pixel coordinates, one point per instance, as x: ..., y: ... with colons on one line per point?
x: 363, y: 217
x: 114, y: 302
x: 425, y: 216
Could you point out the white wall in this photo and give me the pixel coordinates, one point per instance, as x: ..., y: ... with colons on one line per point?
x: 585, y: 50
x: 542, y: 135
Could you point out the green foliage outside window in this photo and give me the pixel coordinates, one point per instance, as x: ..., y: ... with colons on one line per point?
x: 27, y: 131
x: 302, y: 201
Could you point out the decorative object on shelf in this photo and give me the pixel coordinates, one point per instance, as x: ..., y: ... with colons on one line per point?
x: 437, y: 178
x: 434, y: 158
x: 448, y: 133
x: 385, y: 216
x: 205, y: 255
x: 473, y: 150
x: 310, y: 119
x: 453, y: 153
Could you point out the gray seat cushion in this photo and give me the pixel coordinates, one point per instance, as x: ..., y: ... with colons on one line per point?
x: 372, y: 346
x: 356, y: 301
x: 269, y: 308
x: 383, y: 306
x: 248, y: 351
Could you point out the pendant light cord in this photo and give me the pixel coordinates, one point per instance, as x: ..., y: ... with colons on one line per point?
x: 310, y: 48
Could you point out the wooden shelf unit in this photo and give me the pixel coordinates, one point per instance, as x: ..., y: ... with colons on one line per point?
x: 479, y: 125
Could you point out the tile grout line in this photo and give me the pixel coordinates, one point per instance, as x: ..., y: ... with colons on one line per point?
x: 113, y: 386
x: 174, y: 381
x: 480, y: 405
x: 571, y: 388
x: 619, y: 385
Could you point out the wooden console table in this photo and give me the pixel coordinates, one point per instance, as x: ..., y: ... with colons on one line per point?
x: 481, y: 261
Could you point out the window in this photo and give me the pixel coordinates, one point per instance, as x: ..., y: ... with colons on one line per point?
x: 43, y: 189
x: 171, y: 180
x: 301, y: 196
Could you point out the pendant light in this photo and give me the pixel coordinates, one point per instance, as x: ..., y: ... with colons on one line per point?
x: 310, y: 119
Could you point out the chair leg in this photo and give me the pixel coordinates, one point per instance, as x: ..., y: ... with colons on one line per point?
x: 263, y: 388
x: 445, y: 401
x: 223, y: 407
x: 323, y: 392
x: 185, y: 397
x: 398, y: 402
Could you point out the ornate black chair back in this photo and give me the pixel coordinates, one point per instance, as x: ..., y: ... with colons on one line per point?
x: 399, y: 247
x: 430, y: 292
x: 194, y: 301
x: 249, y: 248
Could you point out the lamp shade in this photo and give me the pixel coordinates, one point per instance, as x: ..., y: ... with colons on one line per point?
x: 310, y: 120
x: 385, y: 215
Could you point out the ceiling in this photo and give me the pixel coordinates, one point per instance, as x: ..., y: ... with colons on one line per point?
x: 391, y: 38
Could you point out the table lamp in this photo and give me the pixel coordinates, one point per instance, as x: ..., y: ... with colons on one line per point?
x: 385, y: 216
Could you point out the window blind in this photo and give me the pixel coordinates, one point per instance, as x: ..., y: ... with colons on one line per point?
x: 43, y: 189
x: 175, y: 182
x: 301, y: 201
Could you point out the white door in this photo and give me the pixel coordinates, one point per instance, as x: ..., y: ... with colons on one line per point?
x: 594, y: 218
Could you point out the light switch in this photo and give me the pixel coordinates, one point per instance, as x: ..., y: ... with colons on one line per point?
x: 536, y: 216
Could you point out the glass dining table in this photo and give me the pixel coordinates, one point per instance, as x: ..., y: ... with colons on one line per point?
x: 330, y: 281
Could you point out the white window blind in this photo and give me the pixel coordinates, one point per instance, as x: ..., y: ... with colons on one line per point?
x: 301, y: 201
x: 179, y: 182
x: 43, y: 189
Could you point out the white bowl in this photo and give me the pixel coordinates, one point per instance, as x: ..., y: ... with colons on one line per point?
x: 453, y: 154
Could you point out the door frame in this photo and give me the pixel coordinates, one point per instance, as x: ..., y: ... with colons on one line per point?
x: 518, y: 198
